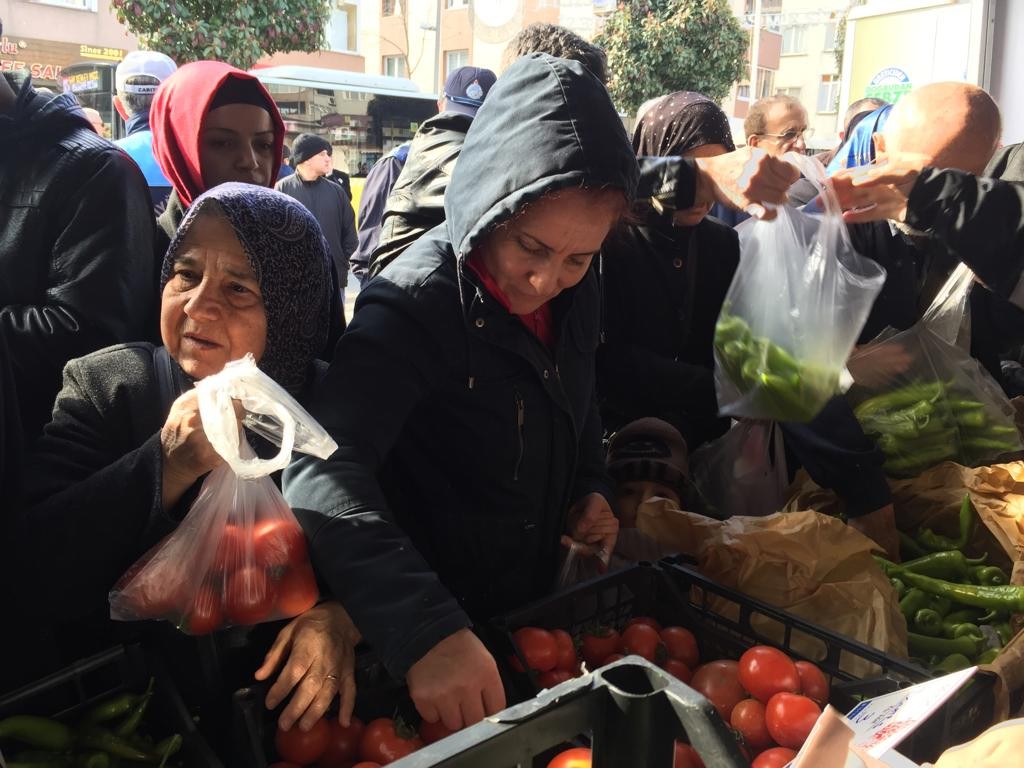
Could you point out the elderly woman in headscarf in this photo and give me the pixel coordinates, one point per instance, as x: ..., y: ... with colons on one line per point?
x: 664, y: 277
x: 124, y: 456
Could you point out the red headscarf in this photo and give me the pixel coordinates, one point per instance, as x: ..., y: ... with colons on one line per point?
x: 177, y: 115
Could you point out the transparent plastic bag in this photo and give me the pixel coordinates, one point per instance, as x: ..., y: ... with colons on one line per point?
x: 793, y: 312
x: 743, y: 472
x: 944, y: 406
x: 239, y: 557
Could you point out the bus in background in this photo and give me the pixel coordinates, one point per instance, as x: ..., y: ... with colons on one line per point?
x: 362, y: 116
x: 92, y: 83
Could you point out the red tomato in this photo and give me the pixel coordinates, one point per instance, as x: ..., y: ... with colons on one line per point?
x: 342, y: 744
x: 567, y: 659
x: 790, y: 717
x: 813, y: 684
x: 646, y: 620
x: 249, y: 597
x: 765, y: 671
x: 230, y: 554
x: 678, y: 670
x: 302, y: 747
x: 553, y: 678
x: 686, y: 757
x: 577, y: 757
x: 297, y: 591
x: 385, y: 741
x: 278, y: 542
x: 776, y: 757
x: 431, y: 732
x: 682, y: 645
x: 748, y: 718
x: 538, y: 647
x: 162, y: 593
x: 613, y: 658
x: 598, y: 645
x: 204, y: 615
x: 641, y: 639
x: 719, y: 682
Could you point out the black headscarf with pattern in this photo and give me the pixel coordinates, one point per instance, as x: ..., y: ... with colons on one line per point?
x: 679, y: 122
x: 289, y: 256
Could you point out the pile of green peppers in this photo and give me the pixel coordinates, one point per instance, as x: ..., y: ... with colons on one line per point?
x: 923, y: 424
x: 108, y: 735
x: 779, y: 386
x: 957, y: 608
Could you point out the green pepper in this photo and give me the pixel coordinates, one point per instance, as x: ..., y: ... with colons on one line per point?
x: 965, y: 524
x: 54, y: 762
x: 1004, y: 631
x: 789, y: 404
x: 899, y: 398
x: 964, y: 406
x: 989, y: 445
x: 105, y: 741
x: 780, y: 362
x: 731, y: 327
x: 111, y: 709
x: 990, y: 575
x: 898, y: 586
x: 130, y: 724
x: 93, y: 760
x: 920, y: 461
x: 1007, y: 597
x: 967, y: 629
x: 958, y: 618
x: 941, y: 605
x: 927, y: 622
x: 949, y: 565
x: 953, y: 663
x: 913, y: 601
x: 910, y: 548
x: 972, y: 419
x: 923, y: 645
x: 987, y: 657
x: 168, y: 748
x: 35, y: 731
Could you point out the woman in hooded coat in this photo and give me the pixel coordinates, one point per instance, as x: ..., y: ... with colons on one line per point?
x: 664, y: 277
x: 124, y: 457
x: 462, y: 394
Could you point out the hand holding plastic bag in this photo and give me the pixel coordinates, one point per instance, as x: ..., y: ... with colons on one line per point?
x: 239, y: 556
x: 793, y: 312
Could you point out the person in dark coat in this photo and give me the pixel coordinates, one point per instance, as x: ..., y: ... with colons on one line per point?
x: 372, y: 204
x: 75, y: 230
x: 125, y: 454
x: 416, y: 203
x: 462, y: 395
x: 663, y: 280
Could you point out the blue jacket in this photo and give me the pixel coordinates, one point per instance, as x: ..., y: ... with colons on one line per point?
x: 139, y: 146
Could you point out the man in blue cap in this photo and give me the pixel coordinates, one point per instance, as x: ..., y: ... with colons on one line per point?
x: 416, y: 202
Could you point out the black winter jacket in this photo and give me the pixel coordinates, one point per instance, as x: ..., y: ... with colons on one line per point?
x: 663, y: 289
x: 76, y: 234
x: 462, y: 440
x: 416, y: 202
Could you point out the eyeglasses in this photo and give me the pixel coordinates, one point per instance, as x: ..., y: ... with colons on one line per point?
x: 790, y: 137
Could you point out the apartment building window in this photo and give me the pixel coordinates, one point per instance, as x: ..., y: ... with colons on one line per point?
x: 743, y: 92
x: 831, y: 29
x: 78, y: 5
x: 793, y: 39
x: 765, y: 82
x: 456, y: 3
x: 341, y: 32
x: 455, y: 59
x: 793, y: 93
x: 828, y: 94
x: 387, y: 7
x: 393, y: 66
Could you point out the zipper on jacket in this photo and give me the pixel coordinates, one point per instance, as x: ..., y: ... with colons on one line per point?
x: 520, y: 431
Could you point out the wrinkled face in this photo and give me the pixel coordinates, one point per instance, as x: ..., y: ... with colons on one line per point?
x: 691, y: 217
x: 786, y: 124
x: 237, y: 144
x: 318, y: 165
x: 211, y: 310
x: 549, y: 248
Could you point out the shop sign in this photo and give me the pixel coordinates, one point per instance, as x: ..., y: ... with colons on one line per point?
x: 14, y: 59
x: 106, y: 54
x: 84, y: 81
x: 890, y: 84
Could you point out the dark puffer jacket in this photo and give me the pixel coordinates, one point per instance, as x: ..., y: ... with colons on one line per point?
x: 462, y: 439
x: 76, y: 234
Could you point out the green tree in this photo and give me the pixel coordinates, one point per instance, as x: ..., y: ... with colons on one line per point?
x: 236, y: 31
x: 655, y: 47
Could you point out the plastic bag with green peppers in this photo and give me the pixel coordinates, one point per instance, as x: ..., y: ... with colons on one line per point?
x: 794, y: 309
x: 944, y: 406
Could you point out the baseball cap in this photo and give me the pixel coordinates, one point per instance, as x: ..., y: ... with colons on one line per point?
x: 466, y: 88
x: 649, y: 449
x: 150, y: 63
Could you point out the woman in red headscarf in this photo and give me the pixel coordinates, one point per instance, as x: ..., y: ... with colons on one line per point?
x: 212, y: 123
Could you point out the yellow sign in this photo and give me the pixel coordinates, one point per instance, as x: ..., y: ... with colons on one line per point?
x: 106, y: 54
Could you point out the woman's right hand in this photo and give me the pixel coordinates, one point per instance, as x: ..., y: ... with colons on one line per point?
x: 187, y: 453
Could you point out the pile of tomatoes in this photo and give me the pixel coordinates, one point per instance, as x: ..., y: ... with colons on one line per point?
x: 328, y: 744
x: 770, y: 701
x: 258, y: 573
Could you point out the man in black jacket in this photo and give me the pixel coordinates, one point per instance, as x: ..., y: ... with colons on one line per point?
x: 416, y: 203
x: 76, y: 244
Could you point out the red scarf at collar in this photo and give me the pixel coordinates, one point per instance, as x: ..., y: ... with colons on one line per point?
x: 538, y: 322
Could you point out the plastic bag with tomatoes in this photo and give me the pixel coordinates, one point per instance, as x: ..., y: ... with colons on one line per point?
x: 239, y: 557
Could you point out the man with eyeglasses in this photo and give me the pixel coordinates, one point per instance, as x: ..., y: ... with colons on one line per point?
x: 777, y: 124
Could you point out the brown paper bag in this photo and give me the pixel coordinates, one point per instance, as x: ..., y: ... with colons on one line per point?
x: 809, y: 564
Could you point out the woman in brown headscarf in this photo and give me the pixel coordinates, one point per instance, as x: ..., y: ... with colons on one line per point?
x: 664, y: 278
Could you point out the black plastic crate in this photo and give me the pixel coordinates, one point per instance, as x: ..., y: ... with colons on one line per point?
x: 66, y: 694
x: 630, y: 712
